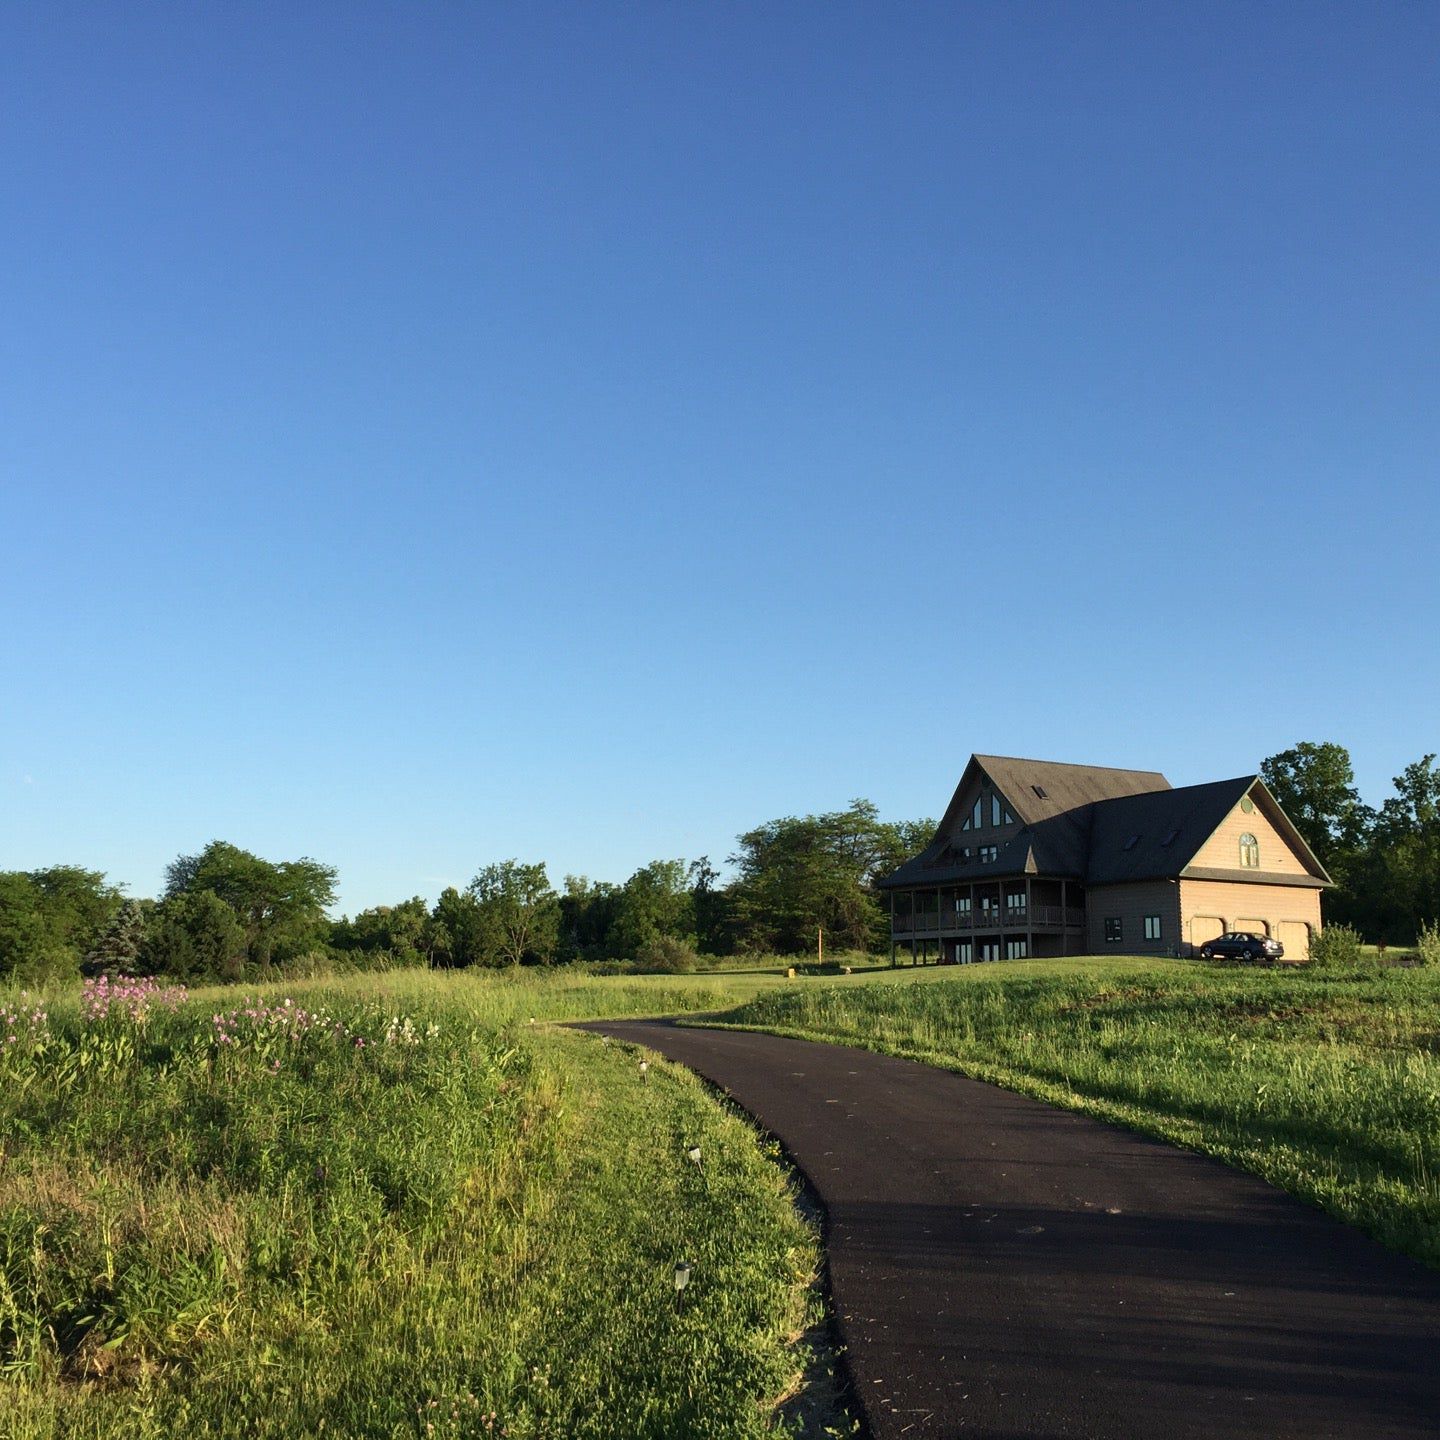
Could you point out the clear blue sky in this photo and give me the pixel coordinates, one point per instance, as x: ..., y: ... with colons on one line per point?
x: 437, y: 433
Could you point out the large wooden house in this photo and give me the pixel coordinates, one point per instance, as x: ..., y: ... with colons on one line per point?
x: 1037, y: 858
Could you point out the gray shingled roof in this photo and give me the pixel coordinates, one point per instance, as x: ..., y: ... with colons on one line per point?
x: 1054, y: 839
x: 1067, y: 787
x: 1095, y: 824
x: 1163, y: 830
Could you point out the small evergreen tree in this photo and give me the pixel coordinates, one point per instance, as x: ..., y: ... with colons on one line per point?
x: 117, y: 950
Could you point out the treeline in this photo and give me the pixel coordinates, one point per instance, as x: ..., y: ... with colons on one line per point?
x: 227, y: 914
x: 1385, y: 860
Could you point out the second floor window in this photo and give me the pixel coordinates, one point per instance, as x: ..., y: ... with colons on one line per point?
x: 1249, y: 852
x: 988, y: 853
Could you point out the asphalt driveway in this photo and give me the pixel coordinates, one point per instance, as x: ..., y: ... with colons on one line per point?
x: 1000, y: 1268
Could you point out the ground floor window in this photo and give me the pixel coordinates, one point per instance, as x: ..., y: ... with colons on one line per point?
x: 1152, y: 927
x: 989, y: 949
x: 1114, y: 929
x: 1015, y: 949
x: 964, y: 952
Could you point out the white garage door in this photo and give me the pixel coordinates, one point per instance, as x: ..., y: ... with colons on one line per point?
x: 1254, y: 927
x: 1294, y: 935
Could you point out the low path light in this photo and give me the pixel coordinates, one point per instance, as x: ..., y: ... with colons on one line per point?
x: 693, y: 1154
x: 682, y: 1279
x: 644, y: 1069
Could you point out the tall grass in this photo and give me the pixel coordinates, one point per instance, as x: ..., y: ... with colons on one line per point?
x: 391, y: 1210
x: 1327, y: 1084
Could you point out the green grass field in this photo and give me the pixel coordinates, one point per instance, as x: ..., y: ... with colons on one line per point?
x: 407, y: 1212
x: 353, y: 1225
x: 1326, y: 1084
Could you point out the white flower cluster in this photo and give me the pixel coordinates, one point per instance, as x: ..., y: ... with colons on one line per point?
x: 402, y: 1030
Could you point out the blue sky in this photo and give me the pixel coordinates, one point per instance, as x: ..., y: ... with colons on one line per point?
x: 432, y: 434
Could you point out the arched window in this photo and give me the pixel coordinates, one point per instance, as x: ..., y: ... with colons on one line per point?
x: 1249, y: 852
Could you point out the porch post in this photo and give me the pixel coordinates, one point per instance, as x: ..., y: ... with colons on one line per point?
x: 1029, y: 922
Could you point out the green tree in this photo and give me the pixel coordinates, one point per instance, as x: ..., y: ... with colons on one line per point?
x: 519, y: 914
x: 116, y: 951
x: 50, y: 918
x: 710, y: 902
x: 654, y: 903
x: 280, y: 905
x: 455, y: 932
x: 402, y: 932
x: 194, y: 935
x: 26, y: 932
x: 587, y: 913
x: 798, y: 874
x: 1404, y: 873
x: 1315, y: 785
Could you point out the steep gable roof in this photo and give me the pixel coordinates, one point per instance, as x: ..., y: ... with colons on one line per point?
x: 1150, y: 837
x: 1050, y: 800
x: 1142, y: 837
x: 1097, y: 824
x: 1041, y: 789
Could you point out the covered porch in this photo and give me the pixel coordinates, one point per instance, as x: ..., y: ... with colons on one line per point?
x: 988, y: 920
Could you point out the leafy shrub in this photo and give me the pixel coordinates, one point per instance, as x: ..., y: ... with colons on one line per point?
x: 1427, y: 944
x: 665, y: 955
x: 1336, y: 947
x: 606, y: 967
x: 320, y: 962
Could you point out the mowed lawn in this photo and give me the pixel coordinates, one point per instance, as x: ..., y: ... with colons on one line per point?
x: 1326, y: 1084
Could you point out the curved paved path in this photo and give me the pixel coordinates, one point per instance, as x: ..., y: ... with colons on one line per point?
x: 1000, y: 1268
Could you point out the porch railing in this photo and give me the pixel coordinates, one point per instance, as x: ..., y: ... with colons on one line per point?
x: 996, y: 918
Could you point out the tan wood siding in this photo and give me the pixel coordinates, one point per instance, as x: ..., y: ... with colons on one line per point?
x: 1232, y: 902
x: 1130, y: 904
x: 1222, y: 850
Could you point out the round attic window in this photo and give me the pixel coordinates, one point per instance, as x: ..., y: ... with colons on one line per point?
x: 1247, y: 805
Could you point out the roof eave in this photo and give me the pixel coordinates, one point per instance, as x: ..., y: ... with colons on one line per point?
x: 1286, y: 826
x: 1253, y: 877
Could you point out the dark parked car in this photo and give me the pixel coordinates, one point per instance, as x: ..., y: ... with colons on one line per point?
x: 1242, y: 945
